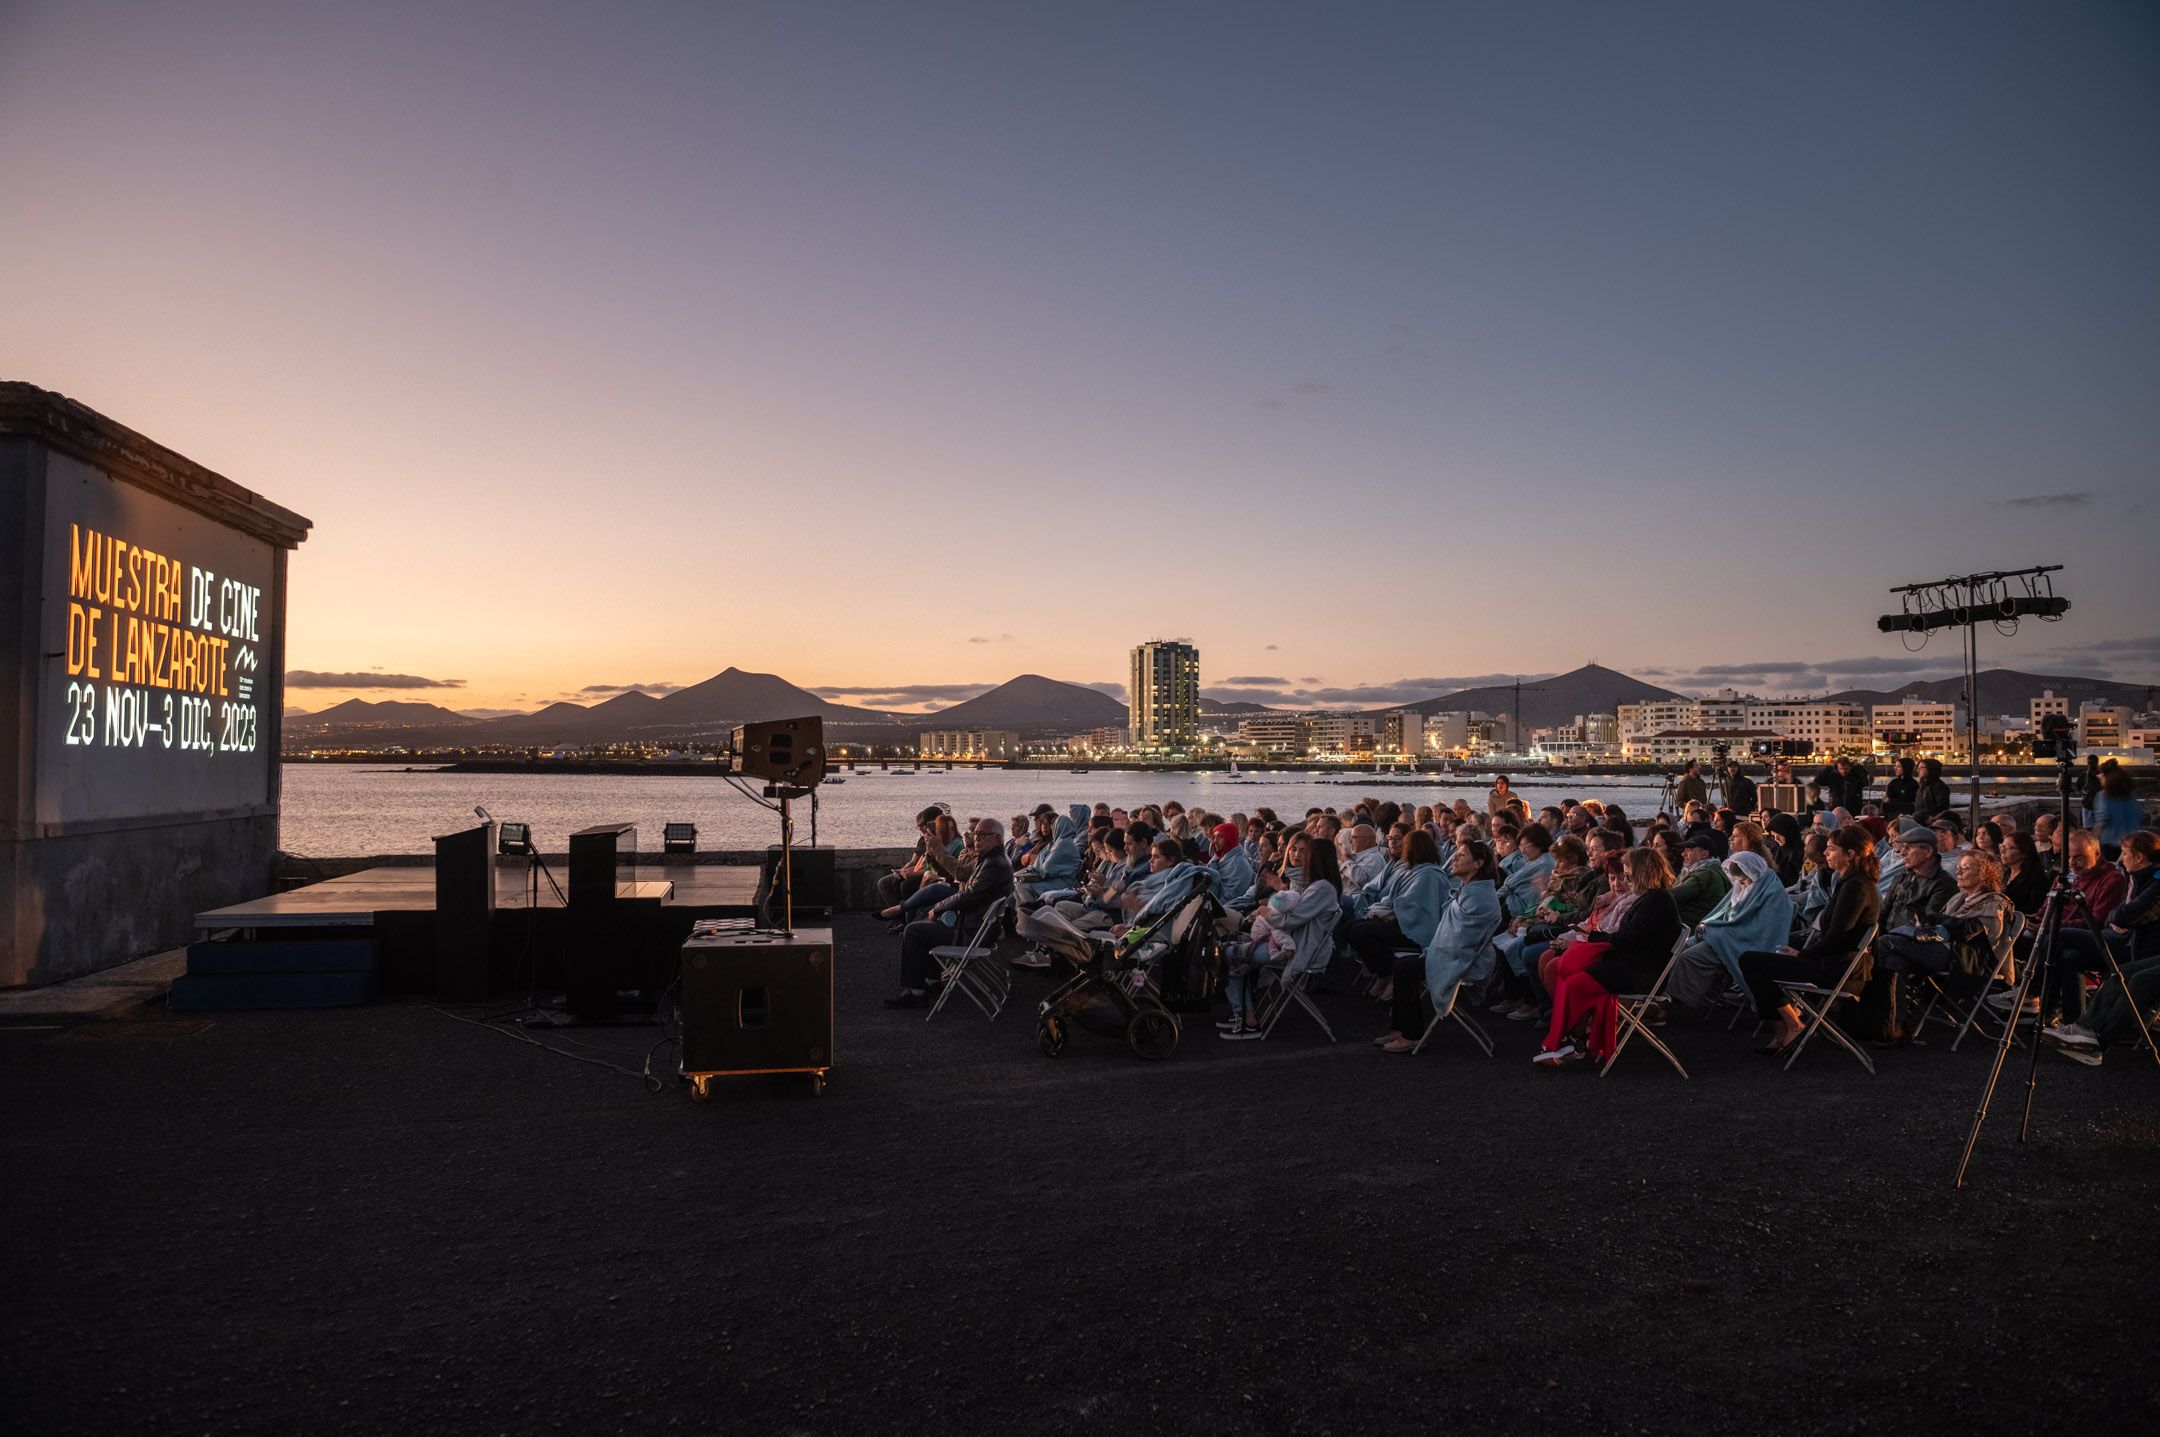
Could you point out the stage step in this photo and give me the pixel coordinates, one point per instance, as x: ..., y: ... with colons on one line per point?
x: 291, y: 955
x: 215, y: 991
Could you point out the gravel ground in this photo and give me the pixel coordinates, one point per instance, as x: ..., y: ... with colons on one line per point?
x: 381, y: 1219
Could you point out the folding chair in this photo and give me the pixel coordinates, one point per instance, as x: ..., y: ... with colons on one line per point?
x: 1635, y: 1009
x: 1817, y: 1001
x: 1452, y: 1008
x: 972, y: 968
x: 1960, y: 1013
x: 1290, y: 987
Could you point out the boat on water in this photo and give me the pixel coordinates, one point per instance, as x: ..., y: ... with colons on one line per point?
x: 1233, y: 775
x: 1076, y: 770
x: 901, y: 772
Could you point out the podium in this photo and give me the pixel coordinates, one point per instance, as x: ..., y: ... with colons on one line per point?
x: 464, y: 913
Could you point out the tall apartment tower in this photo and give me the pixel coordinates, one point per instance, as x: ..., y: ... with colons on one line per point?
x: 1164, y: 693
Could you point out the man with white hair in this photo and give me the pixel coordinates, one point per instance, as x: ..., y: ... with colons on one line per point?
x: 1367, y: 858
x: 953, y: 918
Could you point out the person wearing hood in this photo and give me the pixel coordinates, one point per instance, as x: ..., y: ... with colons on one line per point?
x: 1309, y: 920
x: 1902, y: 793
x: 1791, y: 847
x: 1525, y: 887
x: 1232, y: 866
x: 1057, y: 866
x: 1933, y: 796
x: 1461, y: 947
x: 1756, y: 914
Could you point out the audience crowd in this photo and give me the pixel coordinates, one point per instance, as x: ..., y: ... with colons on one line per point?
x: 1550, y: 917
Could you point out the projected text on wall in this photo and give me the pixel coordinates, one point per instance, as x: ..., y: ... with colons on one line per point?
x: 162, y: 653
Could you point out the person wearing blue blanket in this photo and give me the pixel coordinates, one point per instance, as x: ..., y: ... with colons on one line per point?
x: 1406, y: 911
x: 1756, y: 915
x: 1461, y: 946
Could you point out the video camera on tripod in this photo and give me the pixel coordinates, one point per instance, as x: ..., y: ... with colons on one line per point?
x: 2056, y: 739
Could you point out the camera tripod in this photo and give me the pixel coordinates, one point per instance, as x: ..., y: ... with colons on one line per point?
x: 2061, y: 894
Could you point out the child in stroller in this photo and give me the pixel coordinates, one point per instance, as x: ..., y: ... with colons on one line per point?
x: 1119, y: 990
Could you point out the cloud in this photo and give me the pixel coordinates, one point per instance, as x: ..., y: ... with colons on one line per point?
x: 901, y: 695
x: 2121, y: 660
x: 1310, y: 693
x: 1311, y: 386
x: 312, y: 679
x: 1000, y: 639
x: 1271, y: 403
x: 1116, y: 691
x: 1274, y: 698
x: 1273, y: 647
x: 1245, y: 680
x: 626, y: 688
x: 2075, y: 499
x: 1713, y: 671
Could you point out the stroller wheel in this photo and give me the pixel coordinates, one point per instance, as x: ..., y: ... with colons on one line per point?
x: 1050, y: 1037
x: 1152, y: 1033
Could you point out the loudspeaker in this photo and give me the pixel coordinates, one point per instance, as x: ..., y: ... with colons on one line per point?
x: 790, y: 751
x: 753, y: 1003
x: 603, y: 934
x: 815, y: 874
x: 464, y: 913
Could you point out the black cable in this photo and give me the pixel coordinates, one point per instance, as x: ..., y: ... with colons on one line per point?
x: 644, y: 1078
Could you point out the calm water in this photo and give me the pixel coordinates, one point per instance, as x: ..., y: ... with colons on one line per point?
x: 343, y: 810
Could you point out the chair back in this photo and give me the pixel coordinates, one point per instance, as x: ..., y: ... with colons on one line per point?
x: 992, y: 916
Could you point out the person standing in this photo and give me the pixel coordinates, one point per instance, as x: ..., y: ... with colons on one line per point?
x: 1690, y: 788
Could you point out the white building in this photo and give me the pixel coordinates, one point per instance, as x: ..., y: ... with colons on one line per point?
x: 1327, y: 733
x: 1402, y: 731
x: 2102, y: 726
x: 2049, y: 702
x: 968, y: 745
x: 1447, y: 733
x: 1673, y: 748
x: 1917, y: 728
x: 1276, y: 735
x: 1651, y: 717
x: 1164, y: 692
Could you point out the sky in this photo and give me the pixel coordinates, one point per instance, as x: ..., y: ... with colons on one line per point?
x: 902, y: 348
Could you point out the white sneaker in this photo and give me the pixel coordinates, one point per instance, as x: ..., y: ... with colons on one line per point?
x: 2090, y: 1057
x: 2072, y: 1035
x: 1555, y: 1057
x: 1240, y: 1033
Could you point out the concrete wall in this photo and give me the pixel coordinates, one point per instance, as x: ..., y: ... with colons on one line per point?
x: 855, y: 870
x: 109, y: 847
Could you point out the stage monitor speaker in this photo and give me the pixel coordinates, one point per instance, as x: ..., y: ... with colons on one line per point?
x: 464, y: 913
x: 757, y: 1003
x: 815, y: 874
x: 787, y: 751
x: 600, y: 962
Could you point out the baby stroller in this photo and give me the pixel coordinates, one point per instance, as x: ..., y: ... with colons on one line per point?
x: 1111, y: 994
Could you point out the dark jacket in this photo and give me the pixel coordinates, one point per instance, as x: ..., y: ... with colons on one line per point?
x: 1911, y: 895
x: 1854, y: 907
x: 1641, y: 943
x: 993, y: 879
x: 2027, y: 891
x: 1933, y: 800
x: 2139, y: 913
x: 1899, y: 796
x: 1740, y: 794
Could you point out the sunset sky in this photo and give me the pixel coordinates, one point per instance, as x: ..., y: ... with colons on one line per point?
x: 900, y: 348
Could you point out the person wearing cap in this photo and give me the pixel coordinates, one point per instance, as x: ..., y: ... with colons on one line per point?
x: 1922, y: 886
x: 1702, y: 883
x: 1949, y: 831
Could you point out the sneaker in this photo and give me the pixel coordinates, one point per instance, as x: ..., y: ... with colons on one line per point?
x: 1656, y: 1013
x: 1239, y: 1034
x: 2072, y: 1035
x: 1227, y: 1024
x: 1554, y: 1058
x: 1032, y: 958
x: 2090, y: 1057
x: 1521, y: 1013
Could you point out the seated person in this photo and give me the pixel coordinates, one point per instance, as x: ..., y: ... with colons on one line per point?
x: 1055, y: 867
x: 1461, y: 940
x: 1702, y: 884
x: 2133, y: 936
x: 898, y: 884
x: 1308, y: 921
x: 1232, y: 866
x: 1756, y: 914
x: 2101, y: 890
x: 1853, y: 909
x: 1627, y: 959
x: 1405, y: 913
x: 952, y: 918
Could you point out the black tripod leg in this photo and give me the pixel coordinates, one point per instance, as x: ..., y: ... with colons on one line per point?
x: 2137, y: 1010
x: 2002, y: 1056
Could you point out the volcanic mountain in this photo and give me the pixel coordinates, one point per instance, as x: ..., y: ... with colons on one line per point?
x: 1591, y: 689
x: 1032, y: 704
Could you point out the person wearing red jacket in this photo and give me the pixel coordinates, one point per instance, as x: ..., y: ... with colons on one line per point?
x: 2101, y: 888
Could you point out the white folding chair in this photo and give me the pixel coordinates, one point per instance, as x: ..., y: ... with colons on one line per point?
x: 1635, y: 1011
x: 1290, y: 988
x: 1452, y: 1008
x: 971, y: 968
x: 1817, y: 1001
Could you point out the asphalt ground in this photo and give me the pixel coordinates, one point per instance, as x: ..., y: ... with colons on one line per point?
x: 381, y: 1219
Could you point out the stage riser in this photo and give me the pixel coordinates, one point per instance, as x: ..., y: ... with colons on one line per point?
x: 231, y: 991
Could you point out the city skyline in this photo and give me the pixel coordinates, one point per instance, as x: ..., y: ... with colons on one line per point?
x: 900, y: 351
